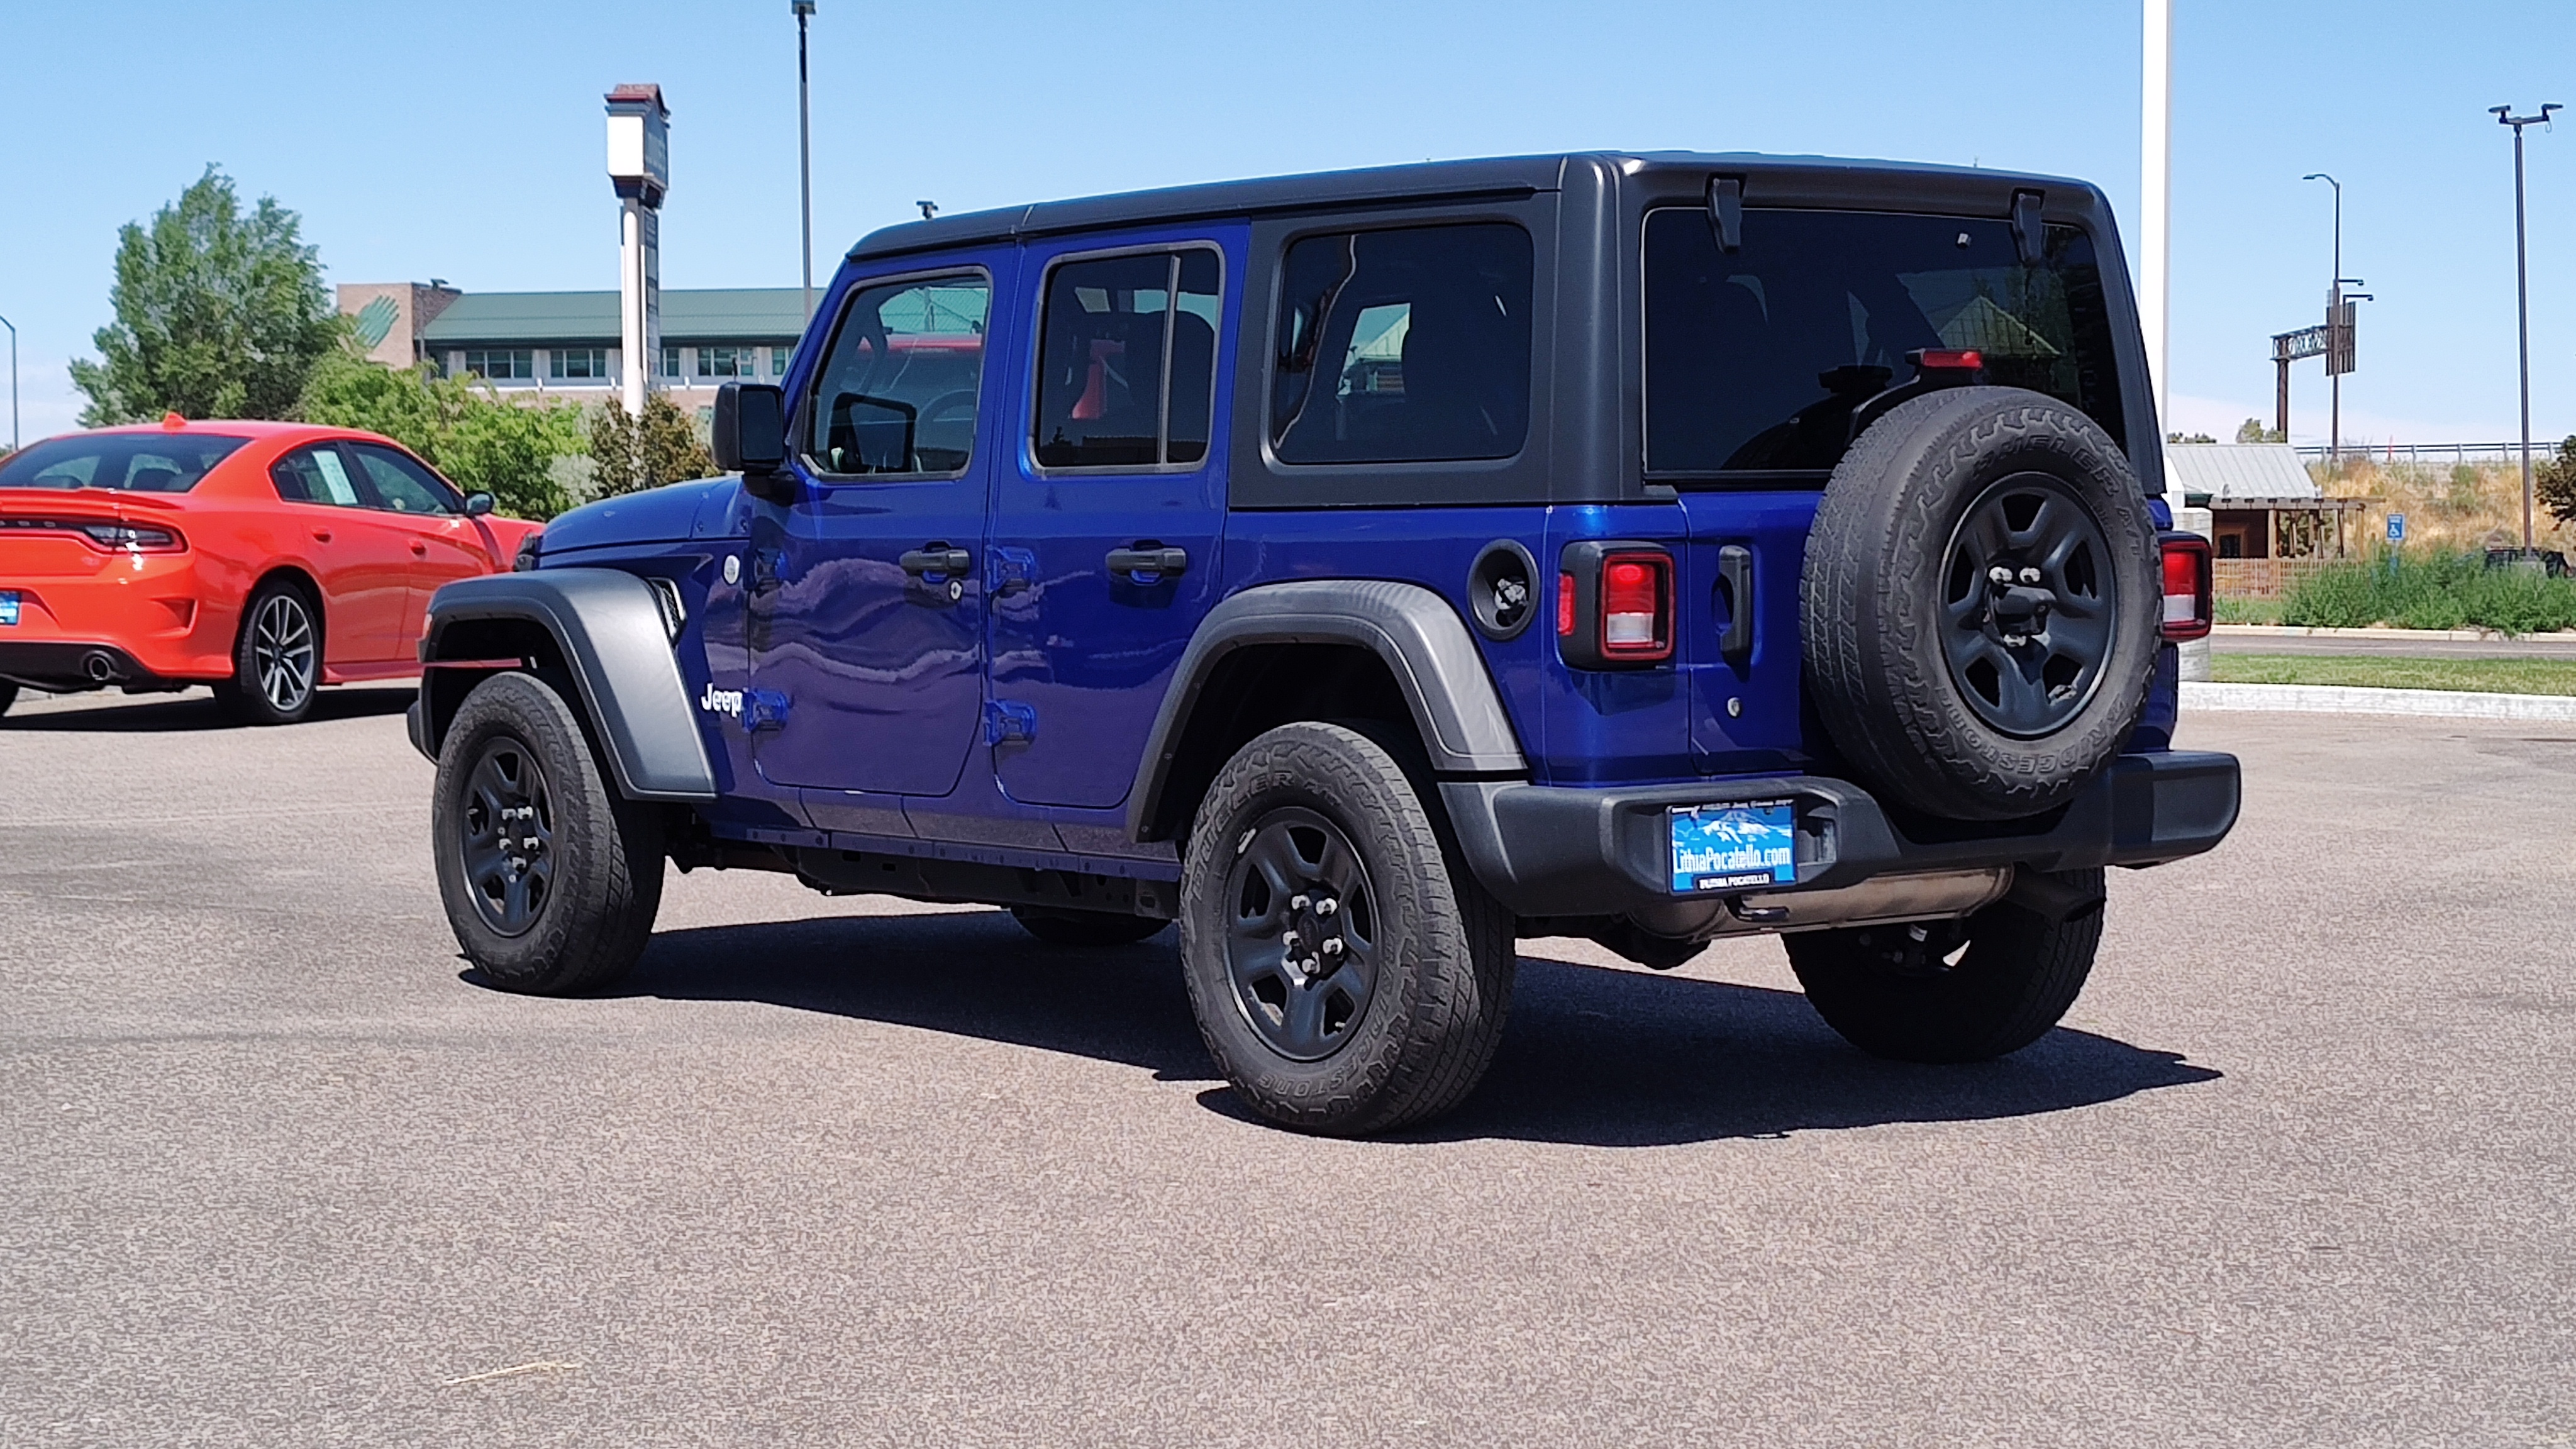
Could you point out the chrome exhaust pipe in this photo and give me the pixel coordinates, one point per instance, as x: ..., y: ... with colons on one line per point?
x: 99, y: 665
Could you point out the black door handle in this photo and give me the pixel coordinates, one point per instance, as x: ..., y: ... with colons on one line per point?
x: 1735, y: 585
x: 1149, y: 557
x: 936, y: 558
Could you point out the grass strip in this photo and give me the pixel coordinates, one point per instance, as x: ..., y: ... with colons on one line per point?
x: 2484, y: 676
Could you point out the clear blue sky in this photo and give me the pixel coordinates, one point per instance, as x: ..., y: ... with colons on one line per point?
x: 463, y: 140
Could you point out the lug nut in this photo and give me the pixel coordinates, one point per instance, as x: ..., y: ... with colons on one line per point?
x: 1297, y: 903
x: 1333, y: 947
x: 1288, y: 940
x: 2030, y: 576
x: 1327, y: 906
x: 1999, y: 574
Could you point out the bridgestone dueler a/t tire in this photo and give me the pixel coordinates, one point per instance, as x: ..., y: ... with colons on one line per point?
x: 1445, y: 947
x: 1871, y: 602
x: 1892, y: 996
x: 607, y: 866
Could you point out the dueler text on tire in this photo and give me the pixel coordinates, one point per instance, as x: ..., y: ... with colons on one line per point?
x: 1953, y: 991
x: 1084, y: 928
x: 277, y: 658
x: 1345, y: 975
x: 550, y: 879
x: 1979, y: 603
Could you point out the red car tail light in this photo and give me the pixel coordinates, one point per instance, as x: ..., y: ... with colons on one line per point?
x: 135, y: 538
x: 2188, y: 595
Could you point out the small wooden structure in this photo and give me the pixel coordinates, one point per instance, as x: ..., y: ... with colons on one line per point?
x: 2263, y: 506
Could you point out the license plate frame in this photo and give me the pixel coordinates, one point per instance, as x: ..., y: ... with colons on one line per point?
x: 1737, y: 845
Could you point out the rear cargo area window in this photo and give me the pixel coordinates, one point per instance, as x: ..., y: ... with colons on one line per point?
x: 1755, y: 360
x: 898, y: 392
x: 1402, y: 346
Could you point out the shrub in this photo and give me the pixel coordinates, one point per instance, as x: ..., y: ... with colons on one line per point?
x: 2449, y: 591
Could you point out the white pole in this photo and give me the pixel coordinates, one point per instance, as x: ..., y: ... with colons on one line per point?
x: 2155, y: 195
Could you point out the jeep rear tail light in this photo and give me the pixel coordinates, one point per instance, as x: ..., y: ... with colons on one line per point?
x: 1614, y: 604
x: 1636, y: 606
x: 2188, y: 601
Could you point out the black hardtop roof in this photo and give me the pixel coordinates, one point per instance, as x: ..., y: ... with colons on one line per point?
x: 1812, y: 180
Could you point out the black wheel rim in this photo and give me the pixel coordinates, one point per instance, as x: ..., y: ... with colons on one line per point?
x: 282, y: 653
x: 2028, y: 605
x: 506, y: 837
x: 1301, y: 938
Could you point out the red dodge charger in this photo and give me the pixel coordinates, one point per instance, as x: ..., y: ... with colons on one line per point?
x: 265, y: 559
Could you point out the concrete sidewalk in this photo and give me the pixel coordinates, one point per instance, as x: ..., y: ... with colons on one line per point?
x: 2199, y: 695
x: 2404, y: 643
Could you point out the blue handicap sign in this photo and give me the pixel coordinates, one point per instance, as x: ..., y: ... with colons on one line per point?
x: 2397, y: 528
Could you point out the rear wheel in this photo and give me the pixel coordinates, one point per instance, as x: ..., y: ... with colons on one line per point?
x: 550, y: 879
x: 1346, y: 977
x: 1084, y: 928
x: 1954, y: 991
x: 277, y: 661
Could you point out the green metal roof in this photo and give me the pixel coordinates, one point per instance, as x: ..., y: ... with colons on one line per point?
x: 538, y: 319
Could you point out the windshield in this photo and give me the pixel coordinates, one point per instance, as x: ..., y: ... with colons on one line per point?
x: 1755, y: 359
x: 136, y: 462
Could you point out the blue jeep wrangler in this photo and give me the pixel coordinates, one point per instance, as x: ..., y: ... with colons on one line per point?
x: 1363, y: 570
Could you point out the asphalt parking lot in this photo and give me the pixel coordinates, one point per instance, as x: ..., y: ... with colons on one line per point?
x: 2297, y: 1170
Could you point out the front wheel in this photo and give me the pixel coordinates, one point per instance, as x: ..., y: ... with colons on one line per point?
x: 1346, y: 977
x: 1954, y: 991
x: 550, y: 878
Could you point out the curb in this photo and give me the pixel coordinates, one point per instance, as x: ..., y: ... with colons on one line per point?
x: 2351, y: 699
x: 2297, y: 631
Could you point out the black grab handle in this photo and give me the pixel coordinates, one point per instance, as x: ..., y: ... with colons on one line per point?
x: 1149, y: 558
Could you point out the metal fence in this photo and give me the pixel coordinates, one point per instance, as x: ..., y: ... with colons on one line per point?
x: 2420, y: 453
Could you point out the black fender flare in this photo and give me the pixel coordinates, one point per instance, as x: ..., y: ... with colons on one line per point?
x: 1425, y: 645
x: 610, y: 635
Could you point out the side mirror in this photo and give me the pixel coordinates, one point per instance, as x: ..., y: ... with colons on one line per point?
x: 477, y: 504
x: 750, y: 434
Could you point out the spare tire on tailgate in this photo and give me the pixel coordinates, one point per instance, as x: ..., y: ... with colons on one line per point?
x: 1979, y: 604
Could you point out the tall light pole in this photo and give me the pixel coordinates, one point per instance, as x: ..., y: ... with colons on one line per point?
x: 804, y: 10
x: 13, y: 382
x: 2522, y: 296
x: 2155, y: 194
x: 2334, y: 320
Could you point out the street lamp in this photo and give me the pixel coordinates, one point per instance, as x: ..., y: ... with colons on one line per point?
x: 804, y: 11
x: 2522, y: 296
x: 13, y: 383
x: 2334, y: 321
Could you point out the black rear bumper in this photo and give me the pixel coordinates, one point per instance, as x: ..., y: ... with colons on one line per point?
x: 1549, y: 851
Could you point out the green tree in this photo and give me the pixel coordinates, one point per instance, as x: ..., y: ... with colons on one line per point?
x: 2553, y: 482
x: 219, y: 313
x: 2252, y: 431
x: 635, y: 453
x: 462, y: 427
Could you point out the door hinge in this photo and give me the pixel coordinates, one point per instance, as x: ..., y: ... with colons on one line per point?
x: 1008, y: 720
x: 1007, y: 570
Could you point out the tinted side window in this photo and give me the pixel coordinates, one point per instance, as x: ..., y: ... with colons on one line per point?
x: 1756, y: 359
x: 1112, y: 336
x: 402, y: 483
x: 1403, y: 346
x: 316, y: 474
x: 897, y: 393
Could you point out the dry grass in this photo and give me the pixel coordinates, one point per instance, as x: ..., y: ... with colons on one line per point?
x: 2449, y: 509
